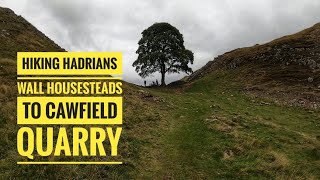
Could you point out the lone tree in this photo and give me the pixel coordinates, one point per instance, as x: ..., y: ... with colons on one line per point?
x: 161, y: 50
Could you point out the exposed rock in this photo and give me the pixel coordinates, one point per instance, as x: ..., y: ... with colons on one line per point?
x: 302, y: 49
x: 280, y: 69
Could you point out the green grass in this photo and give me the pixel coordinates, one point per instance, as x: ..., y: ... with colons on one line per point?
x: 219, y: 132
x: 208, y: 130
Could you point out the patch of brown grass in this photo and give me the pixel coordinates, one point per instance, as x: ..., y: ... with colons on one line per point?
x: 281, y: 161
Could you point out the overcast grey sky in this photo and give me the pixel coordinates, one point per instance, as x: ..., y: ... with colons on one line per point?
x: 210, y: 27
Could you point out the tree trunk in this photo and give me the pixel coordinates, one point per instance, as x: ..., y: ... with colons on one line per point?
x: 163, y: 73
x: 163, y: 82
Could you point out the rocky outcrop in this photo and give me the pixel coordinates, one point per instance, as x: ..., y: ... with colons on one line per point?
x: 286, y: 69
x: 299, y: 50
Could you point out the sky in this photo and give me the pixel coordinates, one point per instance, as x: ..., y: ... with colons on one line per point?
x: 210, y: 27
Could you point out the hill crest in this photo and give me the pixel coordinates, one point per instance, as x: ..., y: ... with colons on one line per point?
x: 302, y: 49
x: 286, y: 69
x: 17, y: 34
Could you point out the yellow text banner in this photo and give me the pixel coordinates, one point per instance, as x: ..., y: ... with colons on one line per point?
x: 69, y: 63
x: 69, y: 110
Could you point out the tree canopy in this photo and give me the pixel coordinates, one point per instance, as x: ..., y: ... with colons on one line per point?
x: 161, y: 49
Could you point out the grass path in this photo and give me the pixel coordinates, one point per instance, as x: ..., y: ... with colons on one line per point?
x: 221, y: 133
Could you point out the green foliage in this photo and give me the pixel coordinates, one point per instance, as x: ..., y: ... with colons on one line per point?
x: 161, y: 50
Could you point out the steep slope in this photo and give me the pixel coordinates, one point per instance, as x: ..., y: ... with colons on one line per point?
x: 17, y: 34
x: 287, y: 68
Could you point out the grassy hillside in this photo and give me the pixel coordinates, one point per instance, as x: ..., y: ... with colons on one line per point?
x: 17, y: 34
x: 222, y: 133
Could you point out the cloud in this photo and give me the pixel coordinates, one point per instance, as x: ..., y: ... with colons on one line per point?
x: 210, y: 27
